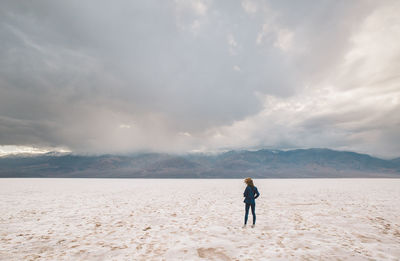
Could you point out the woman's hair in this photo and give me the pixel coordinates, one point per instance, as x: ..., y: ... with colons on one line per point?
x: 249, y: 182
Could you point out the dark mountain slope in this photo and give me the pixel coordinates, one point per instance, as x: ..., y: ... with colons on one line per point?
x: 302, y: 163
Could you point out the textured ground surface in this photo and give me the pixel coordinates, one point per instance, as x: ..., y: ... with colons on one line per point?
x: 105, y: 219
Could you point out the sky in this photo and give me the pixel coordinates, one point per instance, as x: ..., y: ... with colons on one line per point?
x: 179, y: 76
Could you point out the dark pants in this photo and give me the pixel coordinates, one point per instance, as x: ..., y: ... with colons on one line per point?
x: 253, y: 212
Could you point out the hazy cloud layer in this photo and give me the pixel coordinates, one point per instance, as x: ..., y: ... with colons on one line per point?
x: 122, y: 76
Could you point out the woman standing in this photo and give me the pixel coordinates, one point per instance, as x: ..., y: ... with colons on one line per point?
x: 250, y: 194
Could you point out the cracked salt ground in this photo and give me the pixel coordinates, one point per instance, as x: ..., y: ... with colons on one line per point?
x: 110, y: 219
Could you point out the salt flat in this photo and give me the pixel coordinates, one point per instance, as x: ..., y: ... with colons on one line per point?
x: 154, y: 219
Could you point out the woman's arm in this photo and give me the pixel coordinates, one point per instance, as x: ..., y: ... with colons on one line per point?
x: 257, y: 194
x: 246, y: 191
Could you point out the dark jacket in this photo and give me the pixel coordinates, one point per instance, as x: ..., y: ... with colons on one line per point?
x: 250, y: 194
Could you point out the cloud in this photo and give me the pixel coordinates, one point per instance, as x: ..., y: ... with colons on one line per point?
x: 231, y: 75
x: 333, y: 118
x: 7, y: 150
x: 236, y: 68
x: 249, y: 6
x: 191, y: 15
x: 284, y: 40
x: 354, y: 108
x: 233, y: 45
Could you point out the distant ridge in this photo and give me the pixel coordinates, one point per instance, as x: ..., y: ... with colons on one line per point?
x: 299, y: 163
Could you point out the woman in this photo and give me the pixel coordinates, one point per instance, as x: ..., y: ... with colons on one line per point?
x: 250, y: 194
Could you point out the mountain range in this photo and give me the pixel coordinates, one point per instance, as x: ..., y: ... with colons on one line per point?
x: 299, y: 163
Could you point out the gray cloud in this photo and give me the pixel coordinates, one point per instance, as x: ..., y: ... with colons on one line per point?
x: 124, y: 76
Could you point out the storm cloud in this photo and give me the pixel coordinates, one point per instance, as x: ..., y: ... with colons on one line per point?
x: 182, y: 76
